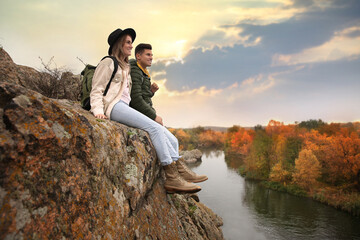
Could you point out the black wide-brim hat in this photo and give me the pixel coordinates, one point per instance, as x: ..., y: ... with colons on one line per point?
x: 115, y: 35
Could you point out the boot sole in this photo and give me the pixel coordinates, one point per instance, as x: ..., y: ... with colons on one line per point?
x: 201, y: 180
x: 175, y: 190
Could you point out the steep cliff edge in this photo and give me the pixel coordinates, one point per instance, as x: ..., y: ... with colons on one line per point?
x: 66, y: 175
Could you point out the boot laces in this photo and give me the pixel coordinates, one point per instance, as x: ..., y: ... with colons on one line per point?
x: 187, y: 169
x: 184, y: 166
x: 178, y: 176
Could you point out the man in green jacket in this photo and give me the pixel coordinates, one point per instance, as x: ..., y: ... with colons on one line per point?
x: 141, y: 93
x: 142, y: 89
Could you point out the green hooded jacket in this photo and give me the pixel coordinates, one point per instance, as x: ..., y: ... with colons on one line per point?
x: 140, y: 93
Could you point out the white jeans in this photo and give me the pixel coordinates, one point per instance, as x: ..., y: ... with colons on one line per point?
x: 165, y: 143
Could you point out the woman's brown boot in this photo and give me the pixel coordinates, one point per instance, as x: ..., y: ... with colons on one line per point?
x: 175, y: 184
x: 187, y: 174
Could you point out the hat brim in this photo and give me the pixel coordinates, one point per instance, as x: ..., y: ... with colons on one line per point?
x: 131, y: 32
x: 128, y: 31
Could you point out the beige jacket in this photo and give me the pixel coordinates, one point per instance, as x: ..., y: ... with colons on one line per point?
x: 99, y: 103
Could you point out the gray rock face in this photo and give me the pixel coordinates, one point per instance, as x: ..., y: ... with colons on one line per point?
x: 67, y: 175
x: 191, y: 156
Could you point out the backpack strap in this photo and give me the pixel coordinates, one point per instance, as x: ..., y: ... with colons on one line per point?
x: 116, y: 66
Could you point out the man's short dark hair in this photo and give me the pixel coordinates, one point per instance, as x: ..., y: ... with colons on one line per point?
x: 141, y: 47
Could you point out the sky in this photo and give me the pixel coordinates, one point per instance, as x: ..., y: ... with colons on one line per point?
x: 217, y: 62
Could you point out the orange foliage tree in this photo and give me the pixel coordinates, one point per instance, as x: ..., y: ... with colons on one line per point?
x: 346, y: 164
x: 338, y: 154
x: 279, y: 173
x: 228, y: 136
x: 276, y: 128
x: 307, y: 169
x: 211, y: 138
x: 240, y: 141
x: 182, y: 136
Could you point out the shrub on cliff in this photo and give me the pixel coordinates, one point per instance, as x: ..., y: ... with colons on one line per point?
x: 56, y: 82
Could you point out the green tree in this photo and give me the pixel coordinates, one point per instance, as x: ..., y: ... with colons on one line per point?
x: 293, y: 146
x: 258, y: 128
x: 259, y: 160
x: 312, y: 124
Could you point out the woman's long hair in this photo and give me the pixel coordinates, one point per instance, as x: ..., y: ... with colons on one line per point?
x: 117, y: 51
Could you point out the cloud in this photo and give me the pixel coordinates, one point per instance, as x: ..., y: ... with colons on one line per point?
x: 260, y: 4
x: 310, y: 24
x: 344, y: 45
x: 328, y: 91
x: 216, y: 68
x: 225, y: 37
x: 251, y: 88
x: 201, y: 91
x: 235, y: 53
x: 261, y: 84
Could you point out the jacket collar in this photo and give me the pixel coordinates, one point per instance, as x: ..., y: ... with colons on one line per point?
x: 144, y: 70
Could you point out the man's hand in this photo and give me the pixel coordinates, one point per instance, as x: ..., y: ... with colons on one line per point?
x: 101, y: 116
x: 154, y: 87
x: 159, y: 120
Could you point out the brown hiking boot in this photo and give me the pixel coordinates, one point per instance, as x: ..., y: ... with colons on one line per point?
x: 174, y: 183
x: 187, y: 174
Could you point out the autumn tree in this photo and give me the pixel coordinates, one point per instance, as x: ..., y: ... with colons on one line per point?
x: 259, y: 158
x: 339, y: 155
x: 183, y: 138
x: 345, y: 165
x: 240, y: 141
x: 273, y: 127
x: 233, y: 129
x: 286, y: 144
x: 321, y: 147
x: 210, y: 138
x: 330, y: 129
x: 228, y: 136
x: 307, y: 169
x: 279, y: 173
x: 278, y: 150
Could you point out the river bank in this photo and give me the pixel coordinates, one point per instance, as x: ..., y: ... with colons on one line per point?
x: 348, y: 201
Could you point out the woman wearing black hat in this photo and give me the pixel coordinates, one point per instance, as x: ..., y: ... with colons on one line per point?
x: 115, y: 106
x: 120, y: 42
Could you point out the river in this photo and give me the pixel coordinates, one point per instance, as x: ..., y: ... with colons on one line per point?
x: 252, y: 212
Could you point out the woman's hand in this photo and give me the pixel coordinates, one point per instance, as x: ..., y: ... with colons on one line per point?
x: 101, y: 116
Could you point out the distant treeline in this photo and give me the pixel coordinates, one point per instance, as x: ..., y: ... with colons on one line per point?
x: 199, y: 137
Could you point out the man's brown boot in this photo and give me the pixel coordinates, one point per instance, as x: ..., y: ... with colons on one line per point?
x: 187, y: 174
x: 174, y: 182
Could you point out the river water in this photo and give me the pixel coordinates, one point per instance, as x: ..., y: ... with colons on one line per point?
x: 250, y: 211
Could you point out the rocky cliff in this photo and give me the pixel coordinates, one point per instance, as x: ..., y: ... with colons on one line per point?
x: 66, y: 175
